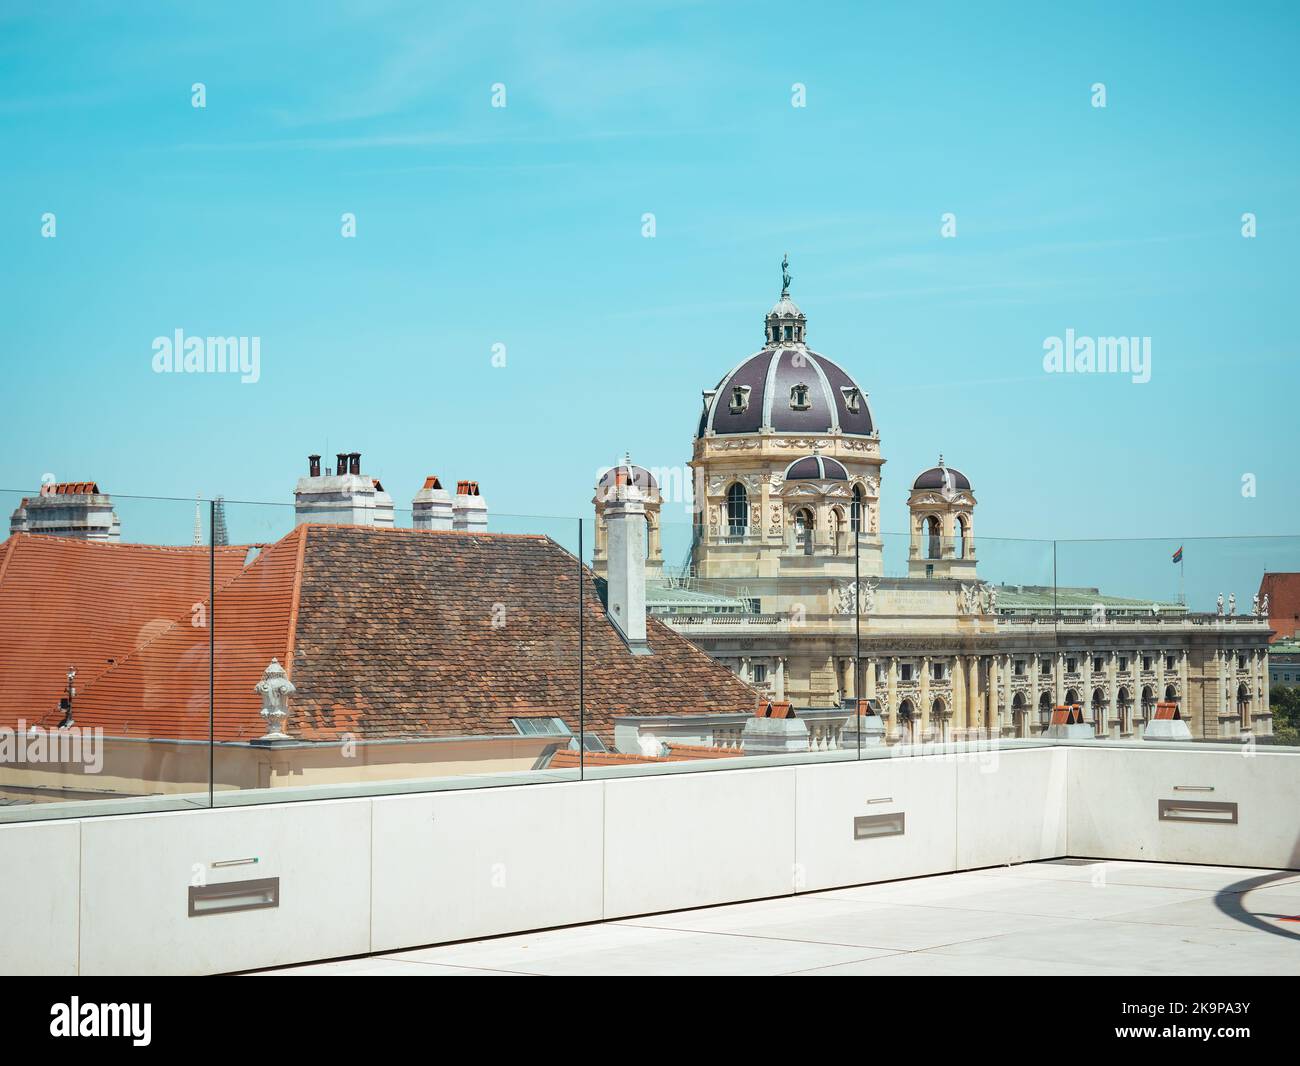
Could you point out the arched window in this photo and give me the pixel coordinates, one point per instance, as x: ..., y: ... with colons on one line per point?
x: 1148, y: 703
x: 906, y: 722
x: 1123, y: 704
x: 963, y: 539
x: 737, y: 510
x: 836, y: 528
x: 933, y: 538
x: 803, y: 527
x: 1243, y: 704
x: 1045, y: 708
x: 858, y: 514
x: 1018, y: 715
x: 1099, y: 711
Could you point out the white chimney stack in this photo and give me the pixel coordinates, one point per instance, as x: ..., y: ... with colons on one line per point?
x: 625, y: 524
x: 344, y: 497
x: 431, y: 508
x: 469, y: 512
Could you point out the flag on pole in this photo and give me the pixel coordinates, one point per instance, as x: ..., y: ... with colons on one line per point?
x: 1178, y: 555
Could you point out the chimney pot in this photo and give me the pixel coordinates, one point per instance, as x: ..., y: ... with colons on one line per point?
x: 313, y: 465
x: 355, y: 459
x: 342, y: 467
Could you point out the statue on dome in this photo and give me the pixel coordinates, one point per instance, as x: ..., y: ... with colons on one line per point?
x: 785, y: 274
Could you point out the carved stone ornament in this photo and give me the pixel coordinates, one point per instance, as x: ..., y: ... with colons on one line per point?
x: 275, y: 688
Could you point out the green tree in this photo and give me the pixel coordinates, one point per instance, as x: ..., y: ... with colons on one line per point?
x: 1284, y: 700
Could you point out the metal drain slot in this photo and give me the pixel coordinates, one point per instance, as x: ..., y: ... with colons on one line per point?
x: 1198, y: 811
x: 234, y: 896
x: 870, y: 826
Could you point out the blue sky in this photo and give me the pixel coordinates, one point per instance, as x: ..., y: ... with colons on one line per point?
x: 522, y: 226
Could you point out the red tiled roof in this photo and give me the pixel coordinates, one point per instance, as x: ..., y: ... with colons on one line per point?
x: 568, y: 758
x: 89, y: 605
x: 74, y: 488
x: 1283, y: 591
x: 161, y: 690
x: 384, y: 632
x: 433, y: 633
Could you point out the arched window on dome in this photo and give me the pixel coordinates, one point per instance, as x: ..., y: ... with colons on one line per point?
x: 858, y: 513
x: 933, y: 538
x: 737, y: 510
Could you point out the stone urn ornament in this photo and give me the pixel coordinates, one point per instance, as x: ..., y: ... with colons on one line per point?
x: 275, y: 688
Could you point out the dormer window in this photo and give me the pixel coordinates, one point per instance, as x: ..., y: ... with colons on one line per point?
x: 852, y: 399
x: 799, y: 398
x: 739, y: 399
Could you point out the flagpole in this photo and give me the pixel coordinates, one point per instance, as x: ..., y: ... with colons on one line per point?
x: 1182, y: 588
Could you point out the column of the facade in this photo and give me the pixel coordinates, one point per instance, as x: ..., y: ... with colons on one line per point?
x: 1059, y: 695
x: 1253, y: 660
x: 1160, y: 677
x: 869, y: 682
x: 891, y: 694
x: 1112, y: 693
x: 925, y: 695
x: 994, y: 718
x: 972, y: 692
x: 957, y: 698
x: 1184, y: 690
x: 779, y: 684
x: 1032, y: 715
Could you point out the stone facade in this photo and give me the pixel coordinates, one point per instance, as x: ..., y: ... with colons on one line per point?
x: 787, y: 469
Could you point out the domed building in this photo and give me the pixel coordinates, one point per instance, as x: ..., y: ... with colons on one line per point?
x: 788, y: 583
x: 786, y: 464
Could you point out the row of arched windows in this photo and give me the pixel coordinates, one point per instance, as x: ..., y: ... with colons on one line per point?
x: 738, y: 513
x: 934, y: 538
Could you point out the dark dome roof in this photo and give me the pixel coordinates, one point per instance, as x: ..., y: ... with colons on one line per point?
x: 816, y: 468
x: 627, y: 473
x: 941, y: 477
x: 768, y: 400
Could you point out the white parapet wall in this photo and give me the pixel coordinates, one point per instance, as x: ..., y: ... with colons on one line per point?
x: 114, y: 894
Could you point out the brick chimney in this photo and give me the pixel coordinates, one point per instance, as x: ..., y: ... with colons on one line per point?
x: 432, y: 507
x: 313, y: 466
x: 625, y: 525
x: 469, y: 512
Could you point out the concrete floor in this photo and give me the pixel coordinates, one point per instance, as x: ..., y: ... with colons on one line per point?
x: 1066, y: 916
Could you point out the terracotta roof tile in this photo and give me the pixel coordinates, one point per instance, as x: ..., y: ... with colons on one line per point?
x: 1283, y: 591
x: 434, y: 633
x: 385, y: 633
x: 90, y: 605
